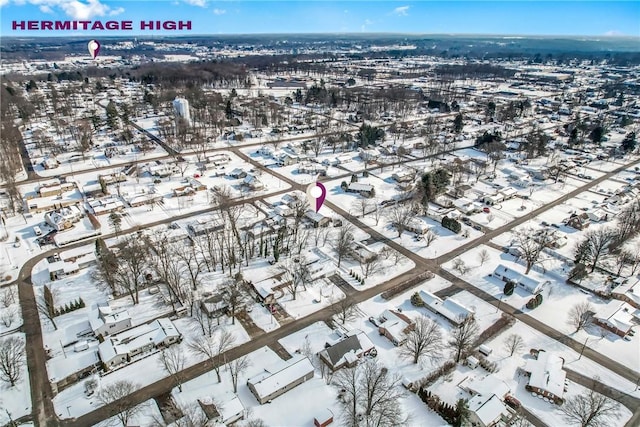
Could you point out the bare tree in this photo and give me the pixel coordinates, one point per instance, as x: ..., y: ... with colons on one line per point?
x: 202, y: 319
x: 460, y: 266
x: 295, y: 274
x: 463, y: 337
x: 115, y: 395
x: 12, y: 359
x: 483, y: 256
x: 530, y: 246
x: 8, y: 315
x: 425, y: 338
x: 363, y: 206
x: 212, y: 347
x: 371, y: 396
x: 580, y: 315
x: 235, y: 295
x: 399, y: 216
x: 513, y: 343
x: 343, y: 241
x: 430, y: 236
x: 192, y: 416
x: 594, y: 245
x: 132, y: 264
x: 371, y: 265
x: 344, y: 310
x: 590, y: 409
x: 235, y: 368
x: 8, y: 296
x: 173, y: 361
x: 46, y: 306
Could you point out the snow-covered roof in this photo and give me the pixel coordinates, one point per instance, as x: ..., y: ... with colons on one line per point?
x: 395, y: 324
x: 360, y: 186
x: 280, y: 375
x: 138, y: 337
x: 619, y: 315
x: 547, y: 373
x: 488, y: 408
x: 449, y: 308
x: 528, y: 283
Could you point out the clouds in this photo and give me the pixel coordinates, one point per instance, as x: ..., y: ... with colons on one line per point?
x: 401, y: 11
x: 217, y: 11
x: 76, y: 9
x: 613, y: 33
x: 199, y: 3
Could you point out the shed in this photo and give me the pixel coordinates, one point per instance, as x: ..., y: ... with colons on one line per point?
x: 324, y: 418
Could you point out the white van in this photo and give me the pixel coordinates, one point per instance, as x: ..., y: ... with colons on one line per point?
x: 37, y: 231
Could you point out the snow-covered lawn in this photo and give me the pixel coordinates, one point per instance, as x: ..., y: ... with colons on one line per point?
x: 17, y: 399
x: 10, y: 311
x: 74, y: 398
x: 558, y: 298
x: 549, y: 413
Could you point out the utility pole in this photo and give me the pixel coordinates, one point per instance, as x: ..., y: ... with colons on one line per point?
x: 583, y: 346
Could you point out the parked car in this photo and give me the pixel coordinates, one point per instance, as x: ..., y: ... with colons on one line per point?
x: 477, y: 227
x: 373, y: 320
x: 486, y: 210
x: 512, y: 402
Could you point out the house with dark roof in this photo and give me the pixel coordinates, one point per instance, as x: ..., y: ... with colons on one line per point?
x: 347, y: 351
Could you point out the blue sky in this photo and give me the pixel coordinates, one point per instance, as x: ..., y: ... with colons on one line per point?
x: 241, y: 17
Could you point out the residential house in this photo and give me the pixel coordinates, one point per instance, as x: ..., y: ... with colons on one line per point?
x: 54, y: 188
x: 463, y: 190
x: 63, y: 218
x: 225, y: 409
x: 366, y: 190
x: 361, y: 253
x: 416, y: 225
x: 598, y: 215
x: 312, y: 168
x: 395, y: 326
x: 105, y: 205
x: 238, y: 173
x: 487, y: 410
x: 252, y: 182
x: 347, y: 351
x: 492, y: 199
x: 287, y: 159
x: 280, y: 378
x: 448, y: 308
x: 215, y: 305
x: 628, y: 292
x: 104, y: 321
x: 546, y: 376
x: 507, y: 274
x: 203, y: 226
x: 617, y: 317
x: 403, y: 176
x: 120, y: 348
x: 578, y: 221
x: 317, y: 219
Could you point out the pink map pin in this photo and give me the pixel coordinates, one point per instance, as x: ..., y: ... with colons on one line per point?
x: 316, y: 192
x: 94, y: 48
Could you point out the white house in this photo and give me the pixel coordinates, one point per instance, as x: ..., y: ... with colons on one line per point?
x: 366, y: 190
x: 487, y: 410
x: 546, y: 376
x: 104, y: 321
x: 280, y: 378
x: 448, y: 308
x: 506, y: 274
x: 395, y: 326
x: 121, y: 348
x: 617, y: 317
